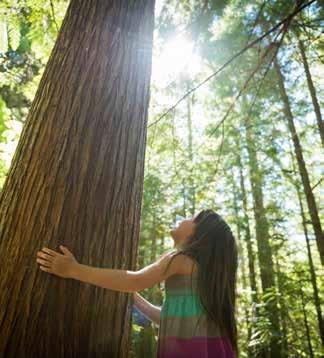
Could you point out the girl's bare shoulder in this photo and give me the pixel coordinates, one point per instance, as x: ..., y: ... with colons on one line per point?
x: 181, y: 264
x: 186, y: 265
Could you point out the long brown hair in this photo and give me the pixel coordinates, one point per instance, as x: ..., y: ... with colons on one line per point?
x: 214, y: 248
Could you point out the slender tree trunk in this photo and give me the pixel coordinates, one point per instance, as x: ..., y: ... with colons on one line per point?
x: 248, y: 236
x: 307, y: 329
x: 174, y: 146
x: 191, y: 182
x: 247, y: 315
x: 184, y: 198
x: 319, y: 234
x: 317, y: 301
x: 283, y: 309
x: 154, y: 236
x: 312, y: 90
x: 76, y: 179
x: 263, y: 242
x: 153, y: 293
x: 148, y: 346
x: 250, y: 254
x: 161, y: 284
x: 241, y: 250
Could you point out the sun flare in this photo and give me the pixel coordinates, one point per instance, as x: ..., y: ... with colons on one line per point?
x: 177, y: 57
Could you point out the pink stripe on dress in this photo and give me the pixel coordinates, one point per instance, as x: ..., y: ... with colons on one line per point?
x: 196, y: 347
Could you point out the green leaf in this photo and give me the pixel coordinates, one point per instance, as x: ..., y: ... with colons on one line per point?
x: 14, y: 32
x: 3, y: 37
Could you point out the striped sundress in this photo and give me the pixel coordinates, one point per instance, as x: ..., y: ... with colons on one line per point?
x: 185, y: 331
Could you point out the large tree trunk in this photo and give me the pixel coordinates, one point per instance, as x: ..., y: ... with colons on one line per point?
x: 76, y: 179
x: 319, y: 234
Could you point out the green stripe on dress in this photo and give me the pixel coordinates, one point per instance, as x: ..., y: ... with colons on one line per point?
x: 181, y: 306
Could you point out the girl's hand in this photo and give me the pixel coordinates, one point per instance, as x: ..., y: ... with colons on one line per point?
x: 56, y: 263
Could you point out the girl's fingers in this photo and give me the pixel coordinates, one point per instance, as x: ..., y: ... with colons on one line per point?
x: 44, y: 262
x: 49, y: 251
x: 45, y: 256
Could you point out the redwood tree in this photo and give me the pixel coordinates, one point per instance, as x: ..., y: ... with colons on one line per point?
x: 76, y: 179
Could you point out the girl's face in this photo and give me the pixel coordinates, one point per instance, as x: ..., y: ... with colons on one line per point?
x: 182, y: 231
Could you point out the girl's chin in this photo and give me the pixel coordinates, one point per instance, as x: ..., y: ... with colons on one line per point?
x: 173, y: 234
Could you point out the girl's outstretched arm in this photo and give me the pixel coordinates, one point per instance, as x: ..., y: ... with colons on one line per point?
x: 65, y: 265
x: 150, y: 311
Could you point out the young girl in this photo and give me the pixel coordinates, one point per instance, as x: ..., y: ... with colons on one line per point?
x: 197, y: 318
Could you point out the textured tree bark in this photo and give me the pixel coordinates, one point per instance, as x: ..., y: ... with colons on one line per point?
x: 310, y: 198
x: 76, y: 179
